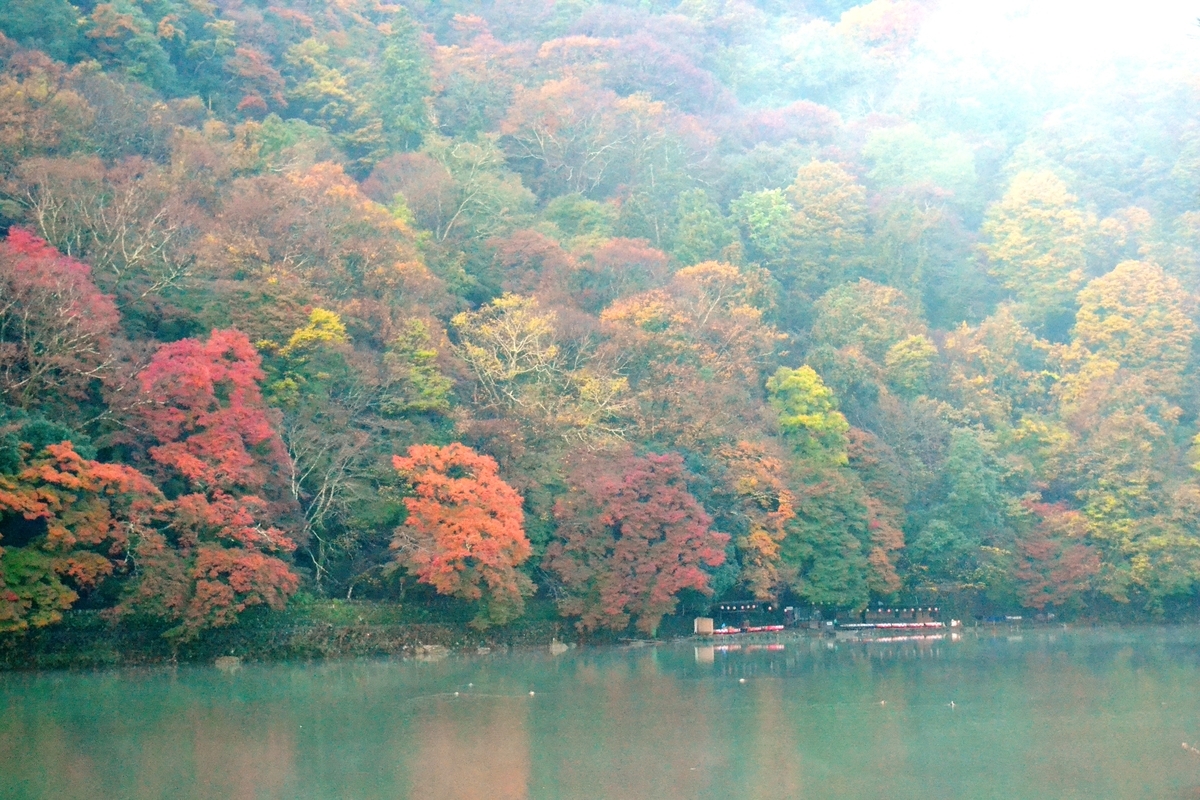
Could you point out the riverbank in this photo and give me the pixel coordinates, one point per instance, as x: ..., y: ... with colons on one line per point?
x: 313, y: 629
x: 317, y: 630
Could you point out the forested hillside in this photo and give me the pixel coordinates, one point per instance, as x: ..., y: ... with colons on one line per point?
x: 619, y: 305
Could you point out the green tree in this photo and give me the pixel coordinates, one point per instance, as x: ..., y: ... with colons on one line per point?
x: 580, y: 218
x: 907, y: 155
x: 768, y: 225
x: 701, y: 232
x: 123, y: 36
x: 808, y: 414
x: 824, y: 555
x: 970, y: 514
x: 48, y: 25
x: 401, y: 85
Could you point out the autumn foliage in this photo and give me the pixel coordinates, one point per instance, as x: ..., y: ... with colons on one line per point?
x: 913, y: 334
x: 1055, y: 563
x: 208, y: 415
x: 632, y: 538
x: 220, y: 553
x: 56, y: 327
x: 87, y: 515
x: 465, y: 530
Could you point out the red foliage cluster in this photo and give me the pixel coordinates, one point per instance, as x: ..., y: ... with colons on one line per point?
x: 803, y: 120
x: 617, y: 269
x: 214, y: 429
x: 633, y: 537
x: 209, y: 414
x: 642, y: 63
x: 465, y: 531
x: 55, y: 325
x: 259, y: 80
x: 533, y: 263
x: 1054, y: 563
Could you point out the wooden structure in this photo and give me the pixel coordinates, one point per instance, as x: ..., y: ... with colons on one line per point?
x: 744, y: 607
x: 898, y: 614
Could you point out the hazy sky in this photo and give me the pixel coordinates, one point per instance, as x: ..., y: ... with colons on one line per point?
x: 1068, y: 40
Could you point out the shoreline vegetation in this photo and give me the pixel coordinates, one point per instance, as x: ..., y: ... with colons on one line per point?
x: 322, y: 629
x: 318, y: 630
x: 515, y: 320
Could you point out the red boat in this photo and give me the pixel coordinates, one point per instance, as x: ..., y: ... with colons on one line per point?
x: 750, y: 629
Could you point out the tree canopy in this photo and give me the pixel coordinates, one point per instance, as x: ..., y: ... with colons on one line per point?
x: 600, y: 310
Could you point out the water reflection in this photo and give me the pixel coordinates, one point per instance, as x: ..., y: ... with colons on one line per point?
x: 471, y: 751
x: 1075, y: 714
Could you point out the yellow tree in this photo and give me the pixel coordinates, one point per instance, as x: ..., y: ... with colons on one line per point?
x: 512, y: 349
x: 1132, y: 341
x: 830, y: 225
x: 808, y: 414
x: 999, y: 370
x: 1036, y: 246
x: 1139, y: 317
x: 510, y: 346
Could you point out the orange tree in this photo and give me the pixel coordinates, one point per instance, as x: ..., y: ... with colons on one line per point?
x: 69, y: 520
x: 465, y: 533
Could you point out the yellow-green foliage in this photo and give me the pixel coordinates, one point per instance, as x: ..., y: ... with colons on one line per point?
x: 324, y: 327
x: 1138, y: 316
x: 908, y: 363
x: 1035, y: 240
x: 412, y: 358
x: 808, y: 413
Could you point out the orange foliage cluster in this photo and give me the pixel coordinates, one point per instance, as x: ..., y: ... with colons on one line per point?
x: 465, y: 531
x: 91, y: 513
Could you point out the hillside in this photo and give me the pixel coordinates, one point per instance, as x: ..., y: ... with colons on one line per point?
x: 619, y: 305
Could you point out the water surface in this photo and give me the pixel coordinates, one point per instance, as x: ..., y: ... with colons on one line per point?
x: 1036, y: 714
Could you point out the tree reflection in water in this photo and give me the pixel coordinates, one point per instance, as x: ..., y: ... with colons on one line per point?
x: 1072, y: 715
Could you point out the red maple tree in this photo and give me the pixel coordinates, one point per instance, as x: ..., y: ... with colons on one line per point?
x: 209, y: 414
x: 631, y: 538
x: 465, y: 532
x: 214, y: 431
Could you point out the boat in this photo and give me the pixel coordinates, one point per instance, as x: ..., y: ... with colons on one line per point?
x: 892, y: 626
x: 724, y: 631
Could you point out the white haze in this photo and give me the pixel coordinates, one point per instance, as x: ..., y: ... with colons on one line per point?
x: 1065, y: 43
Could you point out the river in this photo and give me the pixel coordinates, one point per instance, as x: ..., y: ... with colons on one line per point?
x: 1038, y: 713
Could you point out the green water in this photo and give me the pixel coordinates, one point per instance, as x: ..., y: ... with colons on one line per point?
x: 1043, y: 714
